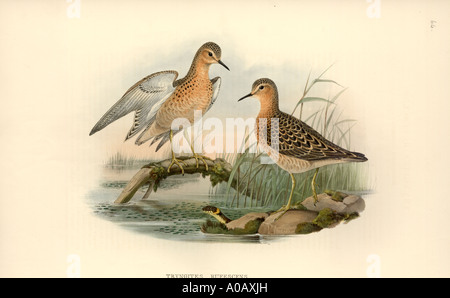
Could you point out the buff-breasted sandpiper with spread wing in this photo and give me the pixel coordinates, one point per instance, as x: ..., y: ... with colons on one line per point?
x: 160, y: 98
x: 300, y: 147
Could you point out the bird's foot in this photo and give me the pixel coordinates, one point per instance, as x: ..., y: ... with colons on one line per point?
x: 316, y: 199
x: 177, y: 162
x: 282, y: 211
x: 197, y: 157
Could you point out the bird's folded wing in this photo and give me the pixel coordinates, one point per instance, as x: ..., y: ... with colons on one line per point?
x: 299, y: 140
x: 145, y: 97
x: 216, y: 88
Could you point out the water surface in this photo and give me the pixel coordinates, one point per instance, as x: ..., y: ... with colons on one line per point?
x: 173, y: 212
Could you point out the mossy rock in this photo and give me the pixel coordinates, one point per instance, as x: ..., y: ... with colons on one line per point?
x: 301, y: 220
x: 334, y: 200
x: 307, y: 228
x: 336, y: 195
x: 328, y: 218
x: 286, y: 224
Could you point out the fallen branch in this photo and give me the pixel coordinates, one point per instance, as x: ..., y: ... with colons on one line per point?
x: 218, y: 170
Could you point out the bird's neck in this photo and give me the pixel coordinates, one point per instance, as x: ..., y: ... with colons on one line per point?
x: 269, y: 107
x: 199, y: 69
x: 268, y: 111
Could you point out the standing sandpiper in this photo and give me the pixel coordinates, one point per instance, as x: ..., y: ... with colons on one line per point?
x: 300, y: 147
x: 159, y: 98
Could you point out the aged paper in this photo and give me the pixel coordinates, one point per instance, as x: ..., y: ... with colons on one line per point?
x: 64, y: 63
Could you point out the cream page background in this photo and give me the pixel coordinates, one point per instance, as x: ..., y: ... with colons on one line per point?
x: 60, y: 72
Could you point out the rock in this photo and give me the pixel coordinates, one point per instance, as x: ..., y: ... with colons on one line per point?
x: 242, y: 221
x: 286, y: 224
x: 336, y: 195
x: 331, y: 209
x: 247, y: 224
x: 351, y: 199
x: 349, y: 204
x: 324, y: 201
x: 328, y: 218
x: 354, y: 204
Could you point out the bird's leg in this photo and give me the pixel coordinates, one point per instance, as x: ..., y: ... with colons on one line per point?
x: 292, y: 192
x: 174, y: 160
x: 197, y: 157
x: 288, y: 206
x: 313, y: 187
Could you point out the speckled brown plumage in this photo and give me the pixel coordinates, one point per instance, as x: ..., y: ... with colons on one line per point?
x: 197, y: 66
x: 160, y: 98
x: 193, y: 92
x: 300, y: 147
x: 298, y: 139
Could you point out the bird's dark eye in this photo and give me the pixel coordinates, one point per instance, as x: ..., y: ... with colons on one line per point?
x: 261, y: 87
x: 210, y: 54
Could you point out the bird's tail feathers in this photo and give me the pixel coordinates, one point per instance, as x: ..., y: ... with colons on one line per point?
x: 356, y: 156
x: 163, y: 139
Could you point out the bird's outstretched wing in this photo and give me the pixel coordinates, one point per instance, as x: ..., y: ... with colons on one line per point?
x: 144, y: 98
x: 297, y: 139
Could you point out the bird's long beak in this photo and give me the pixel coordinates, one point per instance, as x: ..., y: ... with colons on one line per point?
x: 223, y: 64
x: 248, y: 95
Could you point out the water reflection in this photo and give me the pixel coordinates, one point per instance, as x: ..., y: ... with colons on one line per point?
x: 173, y: 212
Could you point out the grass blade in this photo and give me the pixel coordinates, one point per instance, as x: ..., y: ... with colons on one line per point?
x: 327, y: 81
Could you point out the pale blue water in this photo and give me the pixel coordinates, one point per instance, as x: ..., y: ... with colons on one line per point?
x: 173, y: 212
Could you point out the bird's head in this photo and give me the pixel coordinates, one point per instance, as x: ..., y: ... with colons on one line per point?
x: 264, y: 89
x: 211, y: 53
